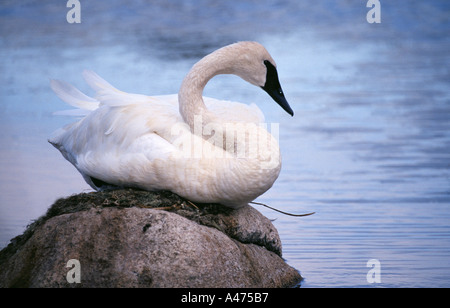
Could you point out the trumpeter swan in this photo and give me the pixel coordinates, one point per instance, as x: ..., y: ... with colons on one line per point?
x: 203, y: 149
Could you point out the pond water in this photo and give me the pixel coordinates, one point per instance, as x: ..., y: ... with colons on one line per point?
x: 367, y: 149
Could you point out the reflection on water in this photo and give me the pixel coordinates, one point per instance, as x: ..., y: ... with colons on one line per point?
x: 367, y: 149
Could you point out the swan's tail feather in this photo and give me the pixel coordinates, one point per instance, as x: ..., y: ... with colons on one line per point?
x: 106, y: 95
x: 96, y: 82
x: 73, y: 96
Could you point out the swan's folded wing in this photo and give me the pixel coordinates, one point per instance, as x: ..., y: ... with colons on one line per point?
x: 133, y: 166
x: 234, y: 111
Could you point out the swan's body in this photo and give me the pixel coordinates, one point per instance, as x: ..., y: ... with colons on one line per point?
x: 200, y: 148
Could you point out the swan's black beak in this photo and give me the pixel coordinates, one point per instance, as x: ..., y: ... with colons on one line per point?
x: 273, y: 88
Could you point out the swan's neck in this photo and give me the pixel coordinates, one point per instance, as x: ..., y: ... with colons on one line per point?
x: 259, y: 160
x: 190, y: 96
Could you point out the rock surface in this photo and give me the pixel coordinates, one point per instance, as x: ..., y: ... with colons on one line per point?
x: 121, y: 240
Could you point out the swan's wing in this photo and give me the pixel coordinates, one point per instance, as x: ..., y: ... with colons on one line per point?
x: 124, y: 136
x: 134, y: 165
x: 120, y: 144
x: 234, y: 111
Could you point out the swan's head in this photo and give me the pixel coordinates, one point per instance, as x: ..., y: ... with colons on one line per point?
x: 252, y: 62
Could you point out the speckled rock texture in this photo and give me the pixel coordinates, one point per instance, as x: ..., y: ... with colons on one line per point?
x: 129, y: 238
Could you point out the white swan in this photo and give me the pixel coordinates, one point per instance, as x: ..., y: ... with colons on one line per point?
x: 200, y: 148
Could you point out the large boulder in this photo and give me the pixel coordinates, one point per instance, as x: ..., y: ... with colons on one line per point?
x: 129, y: 238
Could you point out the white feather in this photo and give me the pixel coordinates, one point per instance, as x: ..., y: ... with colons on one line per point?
x: 73, y: 96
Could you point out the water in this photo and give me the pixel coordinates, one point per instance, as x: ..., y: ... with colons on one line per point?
x: 367, y: 150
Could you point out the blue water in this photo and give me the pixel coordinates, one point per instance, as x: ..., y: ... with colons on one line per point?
x: 367, y: 149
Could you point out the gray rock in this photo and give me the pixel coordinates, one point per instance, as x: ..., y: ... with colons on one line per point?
x: 120, y: 241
